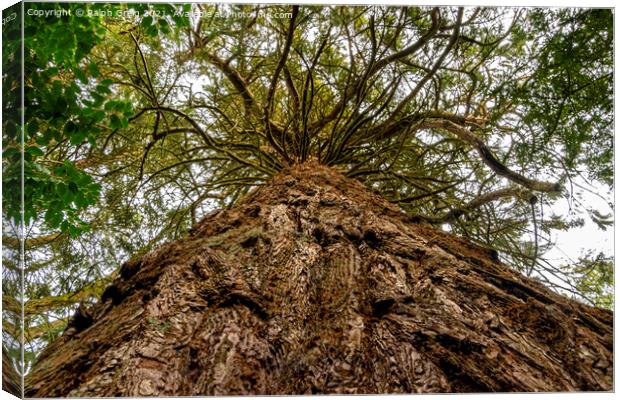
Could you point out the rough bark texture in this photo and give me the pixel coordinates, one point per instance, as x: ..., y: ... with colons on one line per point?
x: 11, y: 379
x: 313, y: 284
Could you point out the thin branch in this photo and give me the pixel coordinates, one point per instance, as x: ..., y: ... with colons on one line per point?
x: 274, y: 83
x: 472, y: 205
x: 435, y: 68
x: 318, y: 125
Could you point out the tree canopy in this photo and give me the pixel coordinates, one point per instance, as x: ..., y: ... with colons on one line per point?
x: 140, y: 119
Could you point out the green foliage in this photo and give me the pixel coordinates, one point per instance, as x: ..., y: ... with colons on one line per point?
x: 568, y: 97
x: 594, y: 277
x: 11, y: 115
x: 55, y: 112
x: 66, y: 101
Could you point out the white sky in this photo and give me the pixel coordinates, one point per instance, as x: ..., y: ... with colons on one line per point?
x: 573, y: 243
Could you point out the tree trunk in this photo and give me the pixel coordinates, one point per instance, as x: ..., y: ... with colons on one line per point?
x: 313, y: 284
x: 11, y: 379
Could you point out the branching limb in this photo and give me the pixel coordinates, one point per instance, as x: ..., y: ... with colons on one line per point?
x: 488, y: 157
x: 376, y: 67
x: 474, y: 204
x: 435, y: 68
x: 409, y: 50
x: 274, y: 83
x: 31, y: 243
x: 236, y: 79
x: 281, y: 63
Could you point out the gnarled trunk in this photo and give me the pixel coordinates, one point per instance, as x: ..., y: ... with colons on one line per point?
x: 313, y: 284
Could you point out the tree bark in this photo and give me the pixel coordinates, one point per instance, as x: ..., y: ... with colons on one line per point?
x: 11, y: 379
x: 313, y: 284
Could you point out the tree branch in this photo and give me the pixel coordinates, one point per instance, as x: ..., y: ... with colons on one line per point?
x: 32, y: 242
x: 377, y: 66
x: 435, y: 68
x: 274, y: 83
x: 472, y: 205
x: 488, y: 157
x: 236, y: 79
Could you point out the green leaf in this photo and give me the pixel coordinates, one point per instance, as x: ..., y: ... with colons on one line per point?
x: 70, y: 128
x: 98, y: 115
x: 10, y: 152
x: 92, y: 140
x: 35, y: 151
x: 73, y: 188
x: 110, y: 105
x: 77, y: 138
x: 93, y: 69
x: 115, y: 122
x: 103, y: 89
x: 80, y: 75
x: 32, y: 128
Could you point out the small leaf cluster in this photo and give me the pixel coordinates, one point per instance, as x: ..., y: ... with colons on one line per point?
x: 66, y: 103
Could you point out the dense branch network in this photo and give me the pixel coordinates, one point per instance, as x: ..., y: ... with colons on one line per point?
x: 271, y: 131
x: 373, y: 101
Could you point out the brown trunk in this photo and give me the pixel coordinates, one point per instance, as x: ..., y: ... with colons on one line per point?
x: 11, y: 379
x: 313, y: 284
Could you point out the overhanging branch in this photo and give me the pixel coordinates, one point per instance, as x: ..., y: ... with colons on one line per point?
x: 474, y: 204
x: 488, y: 157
